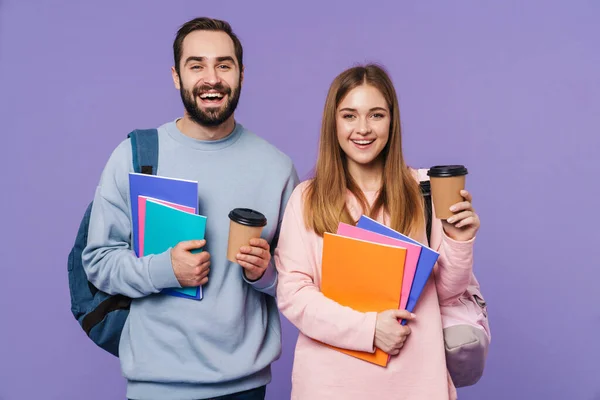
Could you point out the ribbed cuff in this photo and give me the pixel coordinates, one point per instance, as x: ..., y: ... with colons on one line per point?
x: 367, y: 343
x: 458, y: 244
x: 265, y: 281
x: 161, y: 271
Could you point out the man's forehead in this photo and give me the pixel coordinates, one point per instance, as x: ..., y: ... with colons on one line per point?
x: 208, y: 44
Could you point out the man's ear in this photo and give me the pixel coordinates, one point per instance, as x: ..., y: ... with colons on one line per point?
x: 176, y: 80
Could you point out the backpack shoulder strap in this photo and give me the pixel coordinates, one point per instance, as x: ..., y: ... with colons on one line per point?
x: 144, y: 146
x: 426, y: 192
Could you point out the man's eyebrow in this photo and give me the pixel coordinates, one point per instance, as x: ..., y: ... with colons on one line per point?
x: 201, y: 59
x: 194, y: 58
x: 226, y: 58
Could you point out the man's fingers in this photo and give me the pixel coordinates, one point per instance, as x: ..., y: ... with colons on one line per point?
x: 203, y: 271
x: 202, y: 257
x: 189, y: 245
x: 254, y: 251
x: 260, y: 242
x: 256, y: 261
x: 248, y: 266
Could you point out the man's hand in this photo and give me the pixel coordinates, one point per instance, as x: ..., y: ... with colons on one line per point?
x: 254, y: 258
x: 191, y: 269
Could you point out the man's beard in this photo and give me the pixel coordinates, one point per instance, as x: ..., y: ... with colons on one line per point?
x: 212, y: 116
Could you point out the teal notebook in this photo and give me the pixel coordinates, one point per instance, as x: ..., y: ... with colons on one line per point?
x: 166, y: 226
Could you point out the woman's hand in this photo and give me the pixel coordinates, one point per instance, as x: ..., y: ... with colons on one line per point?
x: 390, y: 335
x: 464, y: 224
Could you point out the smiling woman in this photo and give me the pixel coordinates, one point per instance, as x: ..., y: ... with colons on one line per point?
x: 361, y: 152
x: 363, y: 125
x: 361, y: 171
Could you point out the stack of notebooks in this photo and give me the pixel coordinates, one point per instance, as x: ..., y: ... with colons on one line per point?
x: 371, y: 267
x: 165, y: 212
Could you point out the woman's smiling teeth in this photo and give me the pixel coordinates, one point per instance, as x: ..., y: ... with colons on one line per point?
x: 363, y: 142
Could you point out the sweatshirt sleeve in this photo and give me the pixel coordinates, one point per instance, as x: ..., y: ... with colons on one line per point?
x: 298, y: 291
x: 268, y: 282
x: 455, y: 264
x: 108, y: 259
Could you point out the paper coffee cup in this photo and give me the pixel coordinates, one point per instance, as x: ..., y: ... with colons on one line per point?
x: 446, y: 183
x: 244, y: 224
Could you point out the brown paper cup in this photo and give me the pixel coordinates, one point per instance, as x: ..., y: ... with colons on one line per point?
x: 244, y: 224
x: 446, y: 183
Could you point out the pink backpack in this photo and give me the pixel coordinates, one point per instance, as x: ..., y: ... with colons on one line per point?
x: 465, y: 324
x: 466, y: 336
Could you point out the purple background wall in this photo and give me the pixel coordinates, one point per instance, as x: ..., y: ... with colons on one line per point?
x: 511, y: 89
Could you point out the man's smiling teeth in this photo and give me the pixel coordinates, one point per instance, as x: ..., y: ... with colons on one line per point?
x: 211, y: 96
x: 363, y: 142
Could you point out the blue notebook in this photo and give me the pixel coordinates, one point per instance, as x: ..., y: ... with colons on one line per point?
x: 173, y: 190
x: 165, y: 226
x: 425, y: 265
x: 177, y: 191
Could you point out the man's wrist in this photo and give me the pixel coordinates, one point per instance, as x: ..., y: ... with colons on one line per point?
x: 252, y: 278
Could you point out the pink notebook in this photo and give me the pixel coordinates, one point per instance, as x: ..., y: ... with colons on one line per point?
x: 142, y: 215
x: 413, y: 252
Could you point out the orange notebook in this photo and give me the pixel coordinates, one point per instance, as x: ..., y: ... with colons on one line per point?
x: 364, y: 276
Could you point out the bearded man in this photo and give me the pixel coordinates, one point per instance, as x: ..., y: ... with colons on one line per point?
x: 222, y: 345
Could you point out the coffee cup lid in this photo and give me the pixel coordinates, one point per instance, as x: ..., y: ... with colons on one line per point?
x: 442, y: 171
x: 248, y: 217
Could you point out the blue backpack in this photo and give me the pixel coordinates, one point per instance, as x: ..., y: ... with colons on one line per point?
x: 101, y: 315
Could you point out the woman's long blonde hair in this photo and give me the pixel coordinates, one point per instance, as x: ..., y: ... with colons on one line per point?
x: 326, y: 193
